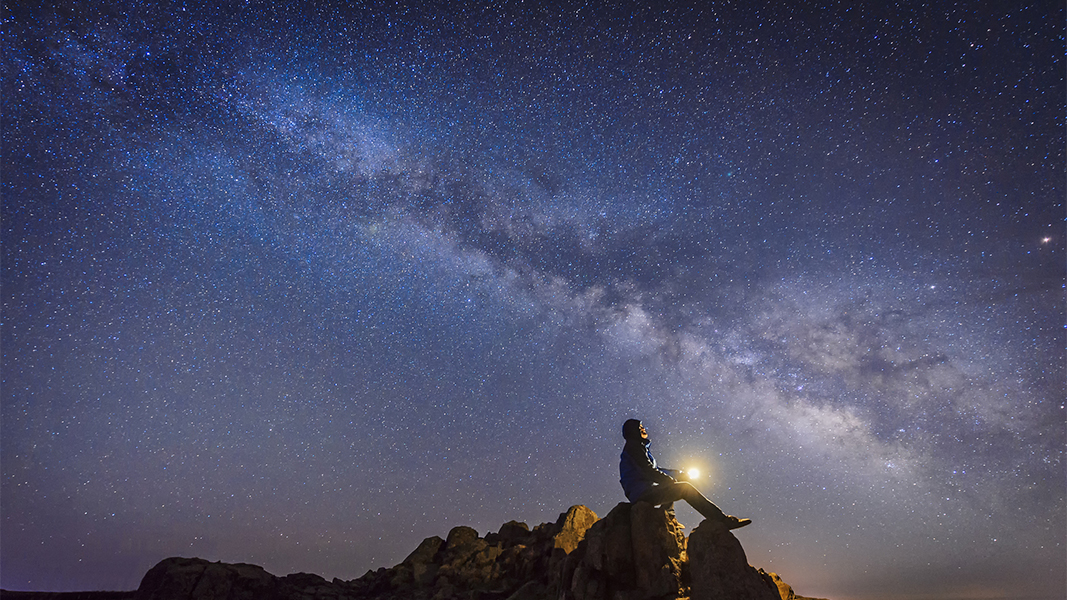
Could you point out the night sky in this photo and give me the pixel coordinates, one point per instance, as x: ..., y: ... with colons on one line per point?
x: 302, y: 285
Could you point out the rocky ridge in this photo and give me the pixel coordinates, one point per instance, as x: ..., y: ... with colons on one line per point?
x: 636, y: 552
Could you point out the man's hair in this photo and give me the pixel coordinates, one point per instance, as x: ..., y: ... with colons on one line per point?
x: 631, y: 429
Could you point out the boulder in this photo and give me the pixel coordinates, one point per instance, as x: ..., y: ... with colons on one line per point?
x: 510, y: 534
x: 198, y: 579
x: 719, y: 569
x: 636, y: 552
x: 659, y: 550
x: 419, y: 568
x: 572, y: 527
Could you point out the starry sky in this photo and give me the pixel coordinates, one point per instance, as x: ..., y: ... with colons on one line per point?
x: 301, y: 285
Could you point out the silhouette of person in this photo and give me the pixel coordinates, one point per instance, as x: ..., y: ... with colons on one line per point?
x: 644, y: 481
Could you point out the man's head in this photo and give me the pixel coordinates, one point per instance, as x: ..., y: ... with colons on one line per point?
x: 634, y: 430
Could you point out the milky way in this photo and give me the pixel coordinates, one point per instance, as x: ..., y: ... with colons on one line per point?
x: 300, y: 286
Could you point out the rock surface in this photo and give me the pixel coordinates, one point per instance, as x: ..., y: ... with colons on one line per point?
x: 721, y: 571
x: 636, y: 552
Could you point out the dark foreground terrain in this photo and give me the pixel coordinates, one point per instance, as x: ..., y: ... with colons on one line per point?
x: 636, y: 552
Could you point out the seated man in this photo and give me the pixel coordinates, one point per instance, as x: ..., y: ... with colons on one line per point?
x: 643, y: 481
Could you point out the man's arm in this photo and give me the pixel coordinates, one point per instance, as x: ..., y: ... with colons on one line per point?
x: 676, y: 474
x: 645, y: 466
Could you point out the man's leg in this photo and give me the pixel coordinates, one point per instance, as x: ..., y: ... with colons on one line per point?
x: 683, y: 490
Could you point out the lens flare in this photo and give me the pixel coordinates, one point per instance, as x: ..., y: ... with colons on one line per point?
x: 693, y: 473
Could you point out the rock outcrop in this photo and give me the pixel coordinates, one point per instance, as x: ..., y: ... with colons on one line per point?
x: 720, y: 570
x: 636, y: 552
x: 466, y: 566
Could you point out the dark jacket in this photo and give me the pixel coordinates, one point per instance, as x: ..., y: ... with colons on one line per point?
x: 638, y: 471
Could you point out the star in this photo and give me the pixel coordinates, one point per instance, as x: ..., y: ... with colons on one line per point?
x: 300, y: 285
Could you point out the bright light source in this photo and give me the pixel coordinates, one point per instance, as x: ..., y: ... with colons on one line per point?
x: 693, y: 473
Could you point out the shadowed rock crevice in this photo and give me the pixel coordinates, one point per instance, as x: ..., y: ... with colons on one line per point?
x: 636, y: 552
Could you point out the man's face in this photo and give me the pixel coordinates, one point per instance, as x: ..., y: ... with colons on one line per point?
x: 642, y: 431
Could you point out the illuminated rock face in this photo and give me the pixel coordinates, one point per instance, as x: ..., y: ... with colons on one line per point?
x: 636, y: 552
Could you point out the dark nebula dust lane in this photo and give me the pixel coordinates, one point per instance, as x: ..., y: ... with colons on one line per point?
x: 301, y: 285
